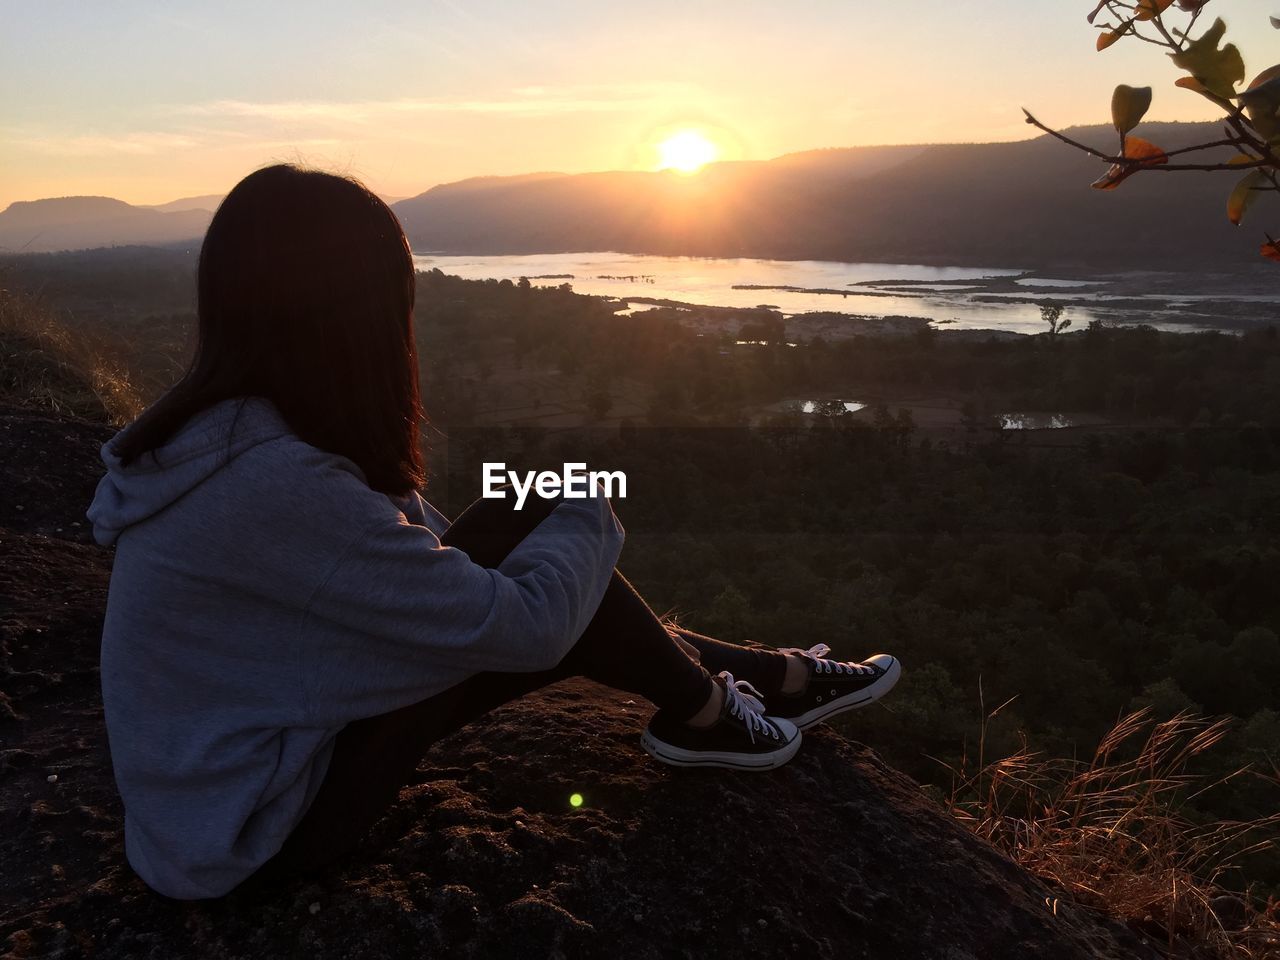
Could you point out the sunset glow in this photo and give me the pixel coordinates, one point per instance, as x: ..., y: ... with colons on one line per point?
x: 416, y: 95
x: 687, y: 152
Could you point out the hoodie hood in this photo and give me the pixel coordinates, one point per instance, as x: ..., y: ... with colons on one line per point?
x: 208, y: 442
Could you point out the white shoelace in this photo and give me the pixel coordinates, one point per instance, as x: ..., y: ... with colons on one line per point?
x: 818, y: 651
x: 747, y: 708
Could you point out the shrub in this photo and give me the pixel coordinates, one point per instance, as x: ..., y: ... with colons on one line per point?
x: 46, y: 366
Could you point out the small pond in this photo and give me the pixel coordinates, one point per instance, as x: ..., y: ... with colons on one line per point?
x: 1035, y: 421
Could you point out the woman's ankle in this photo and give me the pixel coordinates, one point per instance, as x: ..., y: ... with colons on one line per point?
x: 797, y: 675
x: 710, y: 711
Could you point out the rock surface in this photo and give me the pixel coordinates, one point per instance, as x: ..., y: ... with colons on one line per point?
x: 833, y: 855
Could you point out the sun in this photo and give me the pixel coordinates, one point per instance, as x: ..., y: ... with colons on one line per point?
x: 687, y: 152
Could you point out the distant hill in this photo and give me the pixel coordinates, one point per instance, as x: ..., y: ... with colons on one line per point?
x: 73, y: 223
x: 208, y: 201
x: 79, y: 223
x: 1026, y: 203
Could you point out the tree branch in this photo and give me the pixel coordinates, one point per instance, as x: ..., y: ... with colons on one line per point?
x: 1146, y: 164
x: 1229, y: 142
x: 1065, y: 139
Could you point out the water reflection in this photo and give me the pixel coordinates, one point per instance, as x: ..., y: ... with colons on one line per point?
x: 959, y: 298
x: 830, y: 407
x: 1034, y: 421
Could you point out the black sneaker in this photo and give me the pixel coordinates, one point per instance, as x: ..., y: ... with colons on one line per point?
x: 743, y: 738
x: 835, y: 686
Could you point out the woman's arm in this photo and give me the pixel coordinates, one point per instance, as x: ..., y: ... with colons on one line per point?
x: 400, y: 614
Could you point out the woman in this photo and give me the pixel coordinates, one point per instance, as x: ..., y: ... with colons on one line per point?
x: 290, y: 625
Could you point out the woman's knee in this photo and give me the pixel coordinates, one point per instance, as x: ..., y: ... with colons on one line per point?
x: 491, y: 523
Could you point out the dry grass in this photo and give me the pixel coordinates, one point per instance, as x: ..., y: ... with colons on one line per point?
x: 1117, y: 832
x: 46, y: 366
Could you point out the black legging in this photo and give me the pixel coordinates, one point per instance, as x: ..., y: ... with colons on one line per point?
x: 624, y: 646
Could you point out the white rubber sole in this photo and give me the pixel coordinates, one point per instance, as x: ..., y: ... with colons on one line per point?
x: 679, y: 757
x: 850, y: 701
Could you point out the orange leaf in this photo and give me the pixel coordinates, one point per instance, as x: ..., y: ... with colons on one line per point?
x: 1271, y: 250
x: 1107, y: 39
x: 1138, y: 153
x: 1135, y: 148
x: 1150, y: 9
x: 1195, y: 86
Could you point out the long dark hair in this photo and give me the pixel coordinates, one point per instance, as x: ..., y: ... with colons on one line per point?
x: 305, y: 297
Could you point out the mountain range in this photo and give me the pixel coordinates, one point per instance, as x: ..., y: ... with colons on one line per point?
x: 1023, y: 203
x: 74, y: 223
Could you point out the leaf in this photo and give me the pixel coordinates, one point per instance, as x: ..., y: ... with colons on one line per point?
x: 1263, y: 93
x: 1150, y: 9
x: 1195, y: 86
x: 1265, y: 76
x: 1107, y: 39
x: 1275, y: 22
x: 1138, y: 154
x: 1219, y: 70
x: 1191, y: 6
x: 1150, y: 155
x: 1128, y: 106
x: 1096, y: 10
x: 1241, y: 158
x: 1243, y: 195
x: 1271, y: 250
x: 1265, y: 97
x: 1261, y: 101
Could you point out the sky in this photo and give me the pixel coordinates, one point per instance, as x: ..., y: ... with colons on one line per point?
x: 149, y: 101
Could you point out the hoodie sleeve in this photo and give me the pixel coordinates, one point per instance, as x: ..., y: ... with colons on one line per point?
x: 419, y: 511
x: 417, y: 613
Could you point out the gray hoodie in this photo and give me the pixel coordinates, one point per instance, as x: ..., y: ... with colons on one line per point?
x: 262, y: 597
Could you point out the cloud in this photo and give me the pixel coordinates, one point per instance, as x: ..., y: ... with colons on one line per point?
x: 137, y: 143
x: 524, y: 101
x: 148, y: 143
x: 267, y: 125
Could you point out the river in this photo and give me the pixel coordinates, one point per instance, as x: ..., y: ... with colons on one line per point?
x: 961, y: 298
